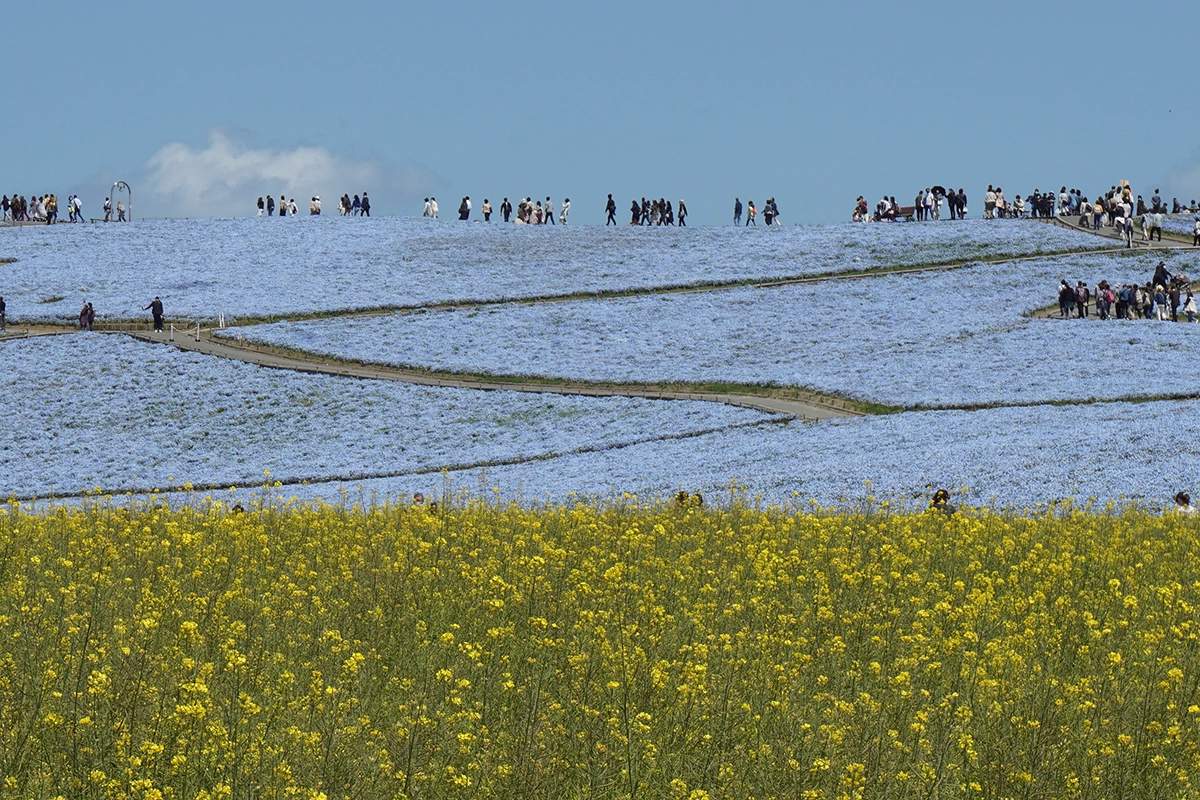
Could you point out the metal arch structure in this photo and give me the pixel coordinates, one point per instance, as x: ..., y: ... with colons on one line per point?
x: 122, y: 186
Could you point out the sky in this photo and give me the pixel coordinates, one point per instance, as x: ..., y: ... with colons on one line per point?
x: 203, y: 107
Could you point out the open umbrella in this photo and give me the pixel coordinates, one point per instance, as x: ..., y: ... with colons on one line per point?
x: 938, y: 190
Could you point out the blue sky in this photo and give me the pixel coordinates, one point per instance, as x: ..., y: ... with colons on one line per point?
x: 202, y: 107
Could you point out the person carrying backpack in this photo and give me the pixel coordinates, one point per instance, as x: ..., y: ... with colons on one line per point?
x: 1081, y: 299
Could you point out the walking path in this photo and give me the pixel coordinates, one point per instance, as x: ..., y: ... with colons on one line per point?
x: 809, y: 407
x: 1170, y: 241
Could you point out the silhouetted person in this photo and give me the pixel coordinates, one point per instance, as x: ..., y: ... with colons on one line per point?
x: 610, y: 208
x: 156, y: 310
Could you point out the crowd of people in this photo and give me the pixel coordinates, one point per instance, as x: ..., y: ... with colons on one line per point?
x: 527, y: 212
x: 1115, y: 208
x: 652, y: 212
x: 1160, y: 299
x: 347, y: 206
x: 45, y: 208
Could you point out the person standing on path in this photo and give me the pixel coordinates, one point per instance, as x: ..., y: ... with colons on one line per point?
x: 737, y: 212
x: 260, y: 206
x: 682, y: 214
x: 1196, y: 233
x: 366, y: 205
x: 549, y: 211
x: 610, y: 208
x: 505, y: 209
x: 750, y: 212
x: 283, y: 206
x: 566, y: 209
x: 433, y: 207
x: 3, y: 324
x: 156, y: 310
x: 486, y: 208
x: 270, y: 206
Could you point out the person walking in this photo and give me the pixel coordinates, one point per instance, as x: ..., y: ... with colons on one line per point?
x: 283, y: 206
x: 83, y: 317
x: 635, y: 213
x: 737, y: 212
x: 156, y: 310
x: 121, y: 211
x: 682, y: 214
x: 1127, y: 231
x: 314, y: 206
x: 270, y: 206
x: 4, y: 324
x: 549, y: 207
x: 505, y: 209
x: 566, y: 209
x: 1196, y: 233
x: 433, y: 207
x: 751, y: 211
x: 486, y: 208
x: 260, y: 206
x: 464, y: 209
x: 610, y: 208
x: 366, y: 205
x: 1189, y: 308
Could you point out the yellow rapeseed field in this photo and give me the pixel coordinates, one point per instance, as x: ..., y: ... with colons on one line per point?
x: 624, y: 650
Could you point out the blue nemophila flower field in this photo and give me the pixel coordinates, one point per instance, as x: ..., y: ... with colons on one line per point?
x: 952, y: 338
x: 105, y: 410
x: 1006, y: 457
x: 203, y: 268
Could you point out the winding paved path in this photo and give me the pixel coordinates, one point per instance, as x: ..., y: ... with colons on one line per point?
x: 266, y: 357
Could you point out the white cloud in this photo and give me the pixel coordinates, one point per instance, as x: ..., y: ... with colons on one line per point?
x: 226, y: 178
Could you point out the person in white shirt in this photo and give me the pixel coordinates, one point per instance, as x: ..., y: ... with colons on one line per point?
x: 314, y: 207
x: 566, y: 209
x: 433, y: 207
x: 989, y: 204
x: 549, y: 208
x: 78, y: 209
x: 428, y: 212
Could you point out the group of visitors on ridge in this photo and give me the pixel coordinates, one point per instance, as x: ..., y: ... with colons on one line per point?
x: 1160, y: 299
x: 45, y: 209
x: 528, y: 212
x: 347, y: 207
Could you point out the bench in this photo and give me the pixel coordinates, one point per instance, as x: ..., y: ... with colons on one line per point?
x: 906, y: 213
